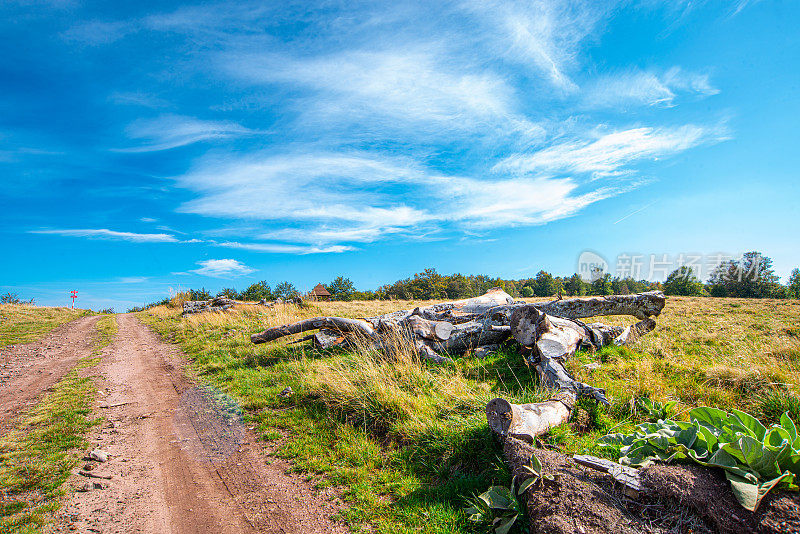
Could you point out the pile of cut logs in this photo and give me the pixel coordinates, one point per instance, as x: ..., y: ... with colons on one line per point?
x: 213, y: 305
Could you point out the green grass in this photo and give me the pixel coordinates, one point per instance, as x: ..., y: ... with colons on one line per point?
x: 21, y: 323
x: 38, y: 456
x: 406, y: 441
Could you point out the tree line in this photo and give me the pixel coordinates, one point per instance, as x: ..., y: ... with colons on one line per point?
x: 751, y: 276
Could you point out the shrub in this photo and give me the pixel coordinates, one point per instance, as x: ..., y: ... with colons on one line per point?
x: 13, y: 298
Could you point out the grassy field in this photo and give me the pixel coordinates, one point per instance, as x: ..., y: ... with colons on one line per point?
x: 22, y: 323
x: 406, y: 441
x: 37, y: 457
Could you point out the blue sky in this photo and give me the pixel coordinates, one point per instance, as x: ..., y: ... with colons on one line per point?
x: 152, y: 146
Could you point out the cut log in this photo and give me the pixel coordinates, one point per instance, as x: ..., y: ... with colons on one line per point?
x: 639, y: 305
x: 427, y: 329
x: 340, y: 324
x: 327, y: 339
x: 524, y: 421
x: 549, y: 334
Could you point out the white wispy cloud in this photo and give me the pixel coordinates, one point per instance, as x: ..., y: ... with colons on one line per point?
x: 224, y: 268
x: 137, y: 98
x: 105, y: 233
x: 173, y: 131
x: 360, y: 197
x: 98, y: 32
x: 348, y: 187
x: 610, y: 152
x: 131, y: 279
x: 637, y: 87
x: 282, y: 248
x: 543, y: 35
x: 393, y: 91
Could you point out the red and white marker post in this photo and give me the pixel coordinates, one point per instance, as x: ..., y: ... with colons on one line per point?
x: 73, y: 296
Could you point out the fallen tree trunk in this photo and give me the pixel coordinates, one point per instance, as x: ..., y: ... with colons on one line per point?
x: 549, y: 333
x: 549, y: 341
x: 339, y: 324
x: 639, y: 305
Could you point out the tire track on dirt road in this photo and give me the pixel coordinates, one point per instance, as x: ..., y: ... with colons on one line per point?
x: 28, y: 370
x: 179, y: 460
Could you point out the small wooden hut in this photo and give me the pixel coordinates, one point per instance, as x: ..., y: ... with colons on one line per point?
x: 320, y: 293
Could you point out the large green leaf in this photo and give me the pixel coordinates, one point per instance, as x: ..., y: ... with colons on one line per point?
x: 750, y: 494
x: 499, y: 498
x: 503, y: 524
x: 760, y: 459
x: 687, y: 437
x: 526, y: 484
x: 709, y: 440
x: 789, y: 426
x: 753, y: 425
x: 714, y: 418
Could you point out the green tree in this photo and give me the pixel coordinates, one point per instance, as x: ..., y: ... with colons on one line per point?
x: 258, y: 291
x: 341, y: 289
x: 199, y: 294
x: 511, y: 288
x: 527, y: 292
x: 682, y: 281
x: 794, y: 284
x: 545, y: 285
x: 602, y: 285
x: 428, y: 285
x: 285, y: 290
x: 575, y: 286
x: 229, y: 293
x: 458, y: 287
x: 13, y: 298
x: 752, y: 276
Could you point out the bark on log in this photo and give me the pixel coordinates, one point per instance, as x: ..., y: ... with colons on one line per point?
x: 427, y: 329
x: 639, y: 305
x: 340, y: 324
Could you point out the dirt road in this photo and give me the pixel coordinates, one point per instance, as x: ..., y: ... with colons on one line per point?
x: 180, y: 459
x: 28, y: 370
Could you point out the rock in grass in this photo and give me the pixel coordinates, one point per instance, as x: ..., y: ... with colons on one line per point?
x: 98, y: 455
x: 286, y: 392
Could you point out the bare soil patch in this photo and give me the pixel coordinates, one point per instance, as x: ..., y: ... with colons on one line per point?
x: 28, y: 370
x: 180, y: 459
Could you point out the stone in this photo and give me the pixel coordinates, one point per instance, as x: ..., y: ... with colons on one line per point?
x: 98, y: 455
